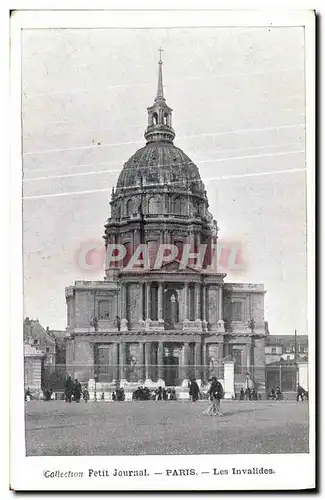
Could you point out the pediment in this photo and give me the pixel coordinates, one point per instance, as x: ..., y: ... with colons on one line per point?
x: 175, y: 267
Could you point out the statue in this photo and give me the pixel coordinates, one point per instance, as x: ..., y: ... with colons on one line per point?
x: 251, y: 324
x: 214, y: 228
x: 94, y: 322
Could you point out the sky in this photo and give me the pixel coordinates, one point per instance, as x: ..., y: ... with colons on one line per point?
x: 238, y: 96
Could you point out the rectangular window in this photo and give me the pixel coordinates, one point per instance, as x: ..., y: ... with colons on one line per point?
x: 237, y: 308
x: 237, y: 354
x: 273, y: 350
x: 47, y: 349
x: 103, y: 309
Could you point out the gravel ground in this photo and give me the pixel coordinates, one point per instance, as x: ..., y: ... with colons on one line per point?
x: 165, y: 428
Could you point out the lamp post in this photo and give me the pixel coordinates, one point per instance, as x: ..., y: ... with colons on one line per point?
x: 296, y: 364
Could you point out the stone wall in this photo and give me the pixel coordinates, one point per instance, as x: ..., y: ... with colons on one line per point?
x: 133, y: 303
x: 84, y: 308
x: 212, y: 306
x: 257, y: 301
x: 83, y: 364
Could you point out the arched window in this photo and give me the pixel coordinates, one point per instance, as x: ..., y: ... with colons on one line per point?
x: 127, y: 256
x: 166, y: 119
x: 129, y: 207
x: 177, y: 206
x: 182, y: 206
x: 153, y: 205
x: 179, y: 245
x: 173, y: 177
x: 155, y: 118
x: 152, y: 248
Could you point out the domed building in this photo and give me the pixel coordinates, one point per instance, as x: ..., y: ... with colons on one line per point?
x: 163, y: 313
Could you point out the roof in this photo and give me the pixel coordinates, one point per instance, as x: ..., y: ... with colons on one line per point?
x: 161, y: 163
x: 285, y: 340
x: 58, y: 334
x: 33, y: 329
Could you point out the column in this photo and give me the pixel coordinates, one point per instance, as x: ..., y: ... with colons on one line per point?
x: 122, y: 362
x: 220, y: 323
x: 248, y: 358
x: 204, y: 307
x: 160, y: 361
x: 160, y: 302
x: 185, y: 295
x: 198, y: 302
x: 197, y: 361
x: 204, y: 302
x: 148, y: 301
x: 115, y: 361
x: 141, y: 370
x: 220, y: 311
x: 124, y: 321
x: 119, y: 310
x: 186, y: 351
x: 147, y: 360
x: 205, y: 362
x: 141, y: 302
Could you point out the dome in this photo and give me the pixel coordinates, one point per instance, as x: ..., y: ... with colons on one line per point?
x: 161, y: 163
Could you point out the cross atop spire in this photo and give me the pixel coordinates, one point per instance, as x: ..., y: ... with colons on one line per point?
x: 160, y: 90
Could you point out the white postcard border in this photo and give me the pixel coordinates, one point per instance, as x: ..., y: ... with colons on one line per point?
x: 294, y: 471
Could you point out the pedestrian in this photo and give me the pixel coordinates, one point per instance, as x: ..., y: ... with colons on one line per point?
x: 278, y: 394
x: 300, y: 393
x: 85, y: 395
x: 68, y: 389
x: 28, y: 394
x: 160, y: 392
x: 241, y: 394
x: 77, y: 390
x: 194, y: 390
x: 216, y: 393
x: 47, y: 393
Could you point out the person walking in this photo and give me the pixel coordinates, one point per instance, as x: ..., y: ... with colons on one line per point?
x: 68, y: 389
x: 300, y: 393
x: 216, y: 393
x: 77, y: 390
x: 85, y: 395
x: 194, y: 391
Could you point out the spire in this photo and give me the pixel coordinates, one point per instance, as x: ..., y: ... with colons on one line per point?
x: 160, y: 89
x: 159, y: 115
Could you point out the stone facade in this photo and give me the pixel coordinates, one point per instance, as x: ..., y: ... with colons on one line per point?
x: 33, y: 358
x: 161, y: 325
